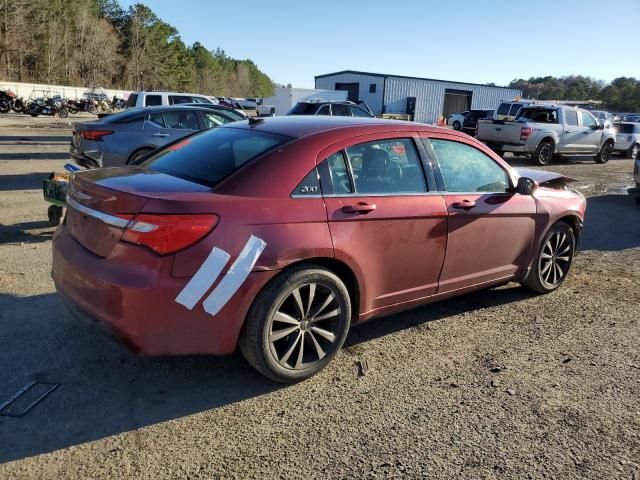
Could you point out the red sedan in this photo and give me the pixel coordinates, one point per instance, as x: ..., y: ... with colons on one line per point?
x: 277, y: 234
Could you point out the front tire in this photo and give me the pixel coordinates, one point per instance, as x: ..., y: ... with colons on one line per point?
x: 553, y: 261
x: 544, y: 153
x: 456, y: 125
x: 634, y: 151
x: 297, y: 324
x: 604, y: 155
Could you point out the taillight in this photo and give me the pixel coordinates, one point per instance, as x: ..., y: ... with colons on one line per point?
x: 525, y: 132
x: 95, y: 135
x: 167, y: 233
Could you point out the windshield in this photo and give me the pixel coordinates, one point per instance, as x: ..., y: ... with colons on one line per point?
x: 212, y: 155
x: 303, y: 109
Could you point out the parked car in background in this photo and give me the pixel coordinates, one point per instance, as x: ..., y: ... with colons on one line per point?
x: 123, y: 138
x: 603, y: 117
x: 627, y: 139
x: 544, y: 131
x: 508, y: 110
x: 152, y: 99
x: 227, y: 114
x: 456, y: 120
x: 368, y: 223
x: 336, y: 108
x: 632, y: 117
x: 470, y: 122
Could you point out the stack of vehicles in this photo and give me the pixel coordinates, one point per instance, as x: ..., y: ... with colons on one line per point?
x: 546, y: 131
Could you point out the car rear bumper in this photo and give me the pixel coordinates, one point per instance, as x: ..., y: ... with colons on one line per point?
x: 513, y: 148
x: 138, y: 307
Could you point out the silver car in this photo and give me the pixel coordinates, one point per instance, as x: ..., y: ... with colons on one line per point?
x: 628, y: 139
x: 123, y: 138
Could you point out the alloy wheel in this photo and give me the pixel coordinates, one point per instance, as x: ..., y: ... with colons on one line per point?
x: 546, y: 153
x: 305, y: 326
x: 635, y: 151
x: 555, y: 259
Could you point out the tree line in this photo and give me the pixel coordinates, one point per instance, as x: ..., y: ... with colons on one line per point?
x: 98, y: 43
x: 621, y: 95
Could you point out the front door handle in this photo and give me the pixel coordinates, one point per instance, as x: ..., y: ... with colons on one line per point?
x: 160, y: 134
x: 360, y: 208
x: 463, y: 205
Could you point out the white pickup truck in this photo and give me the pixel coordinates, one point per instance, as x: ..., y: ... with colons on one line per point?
x: 547, y: 131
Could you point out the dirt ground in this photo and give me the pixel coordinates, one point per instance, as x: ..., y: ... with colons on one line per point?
x: 496, y: 384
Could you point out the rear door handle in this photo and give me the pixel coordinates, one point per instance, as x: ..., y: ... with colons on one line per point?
x: 463, y: 205
x: 160, y: 134
x: 360, y: 208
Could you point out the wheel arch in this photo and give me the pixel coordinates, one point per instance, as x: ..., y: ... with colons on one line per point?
x: 137, y: 150
x: 575, y: 222
x: 548, y: 138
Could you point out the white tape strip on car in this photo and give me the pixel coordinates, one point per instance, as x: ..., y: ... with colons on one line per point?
x: 235, y: 277
x: 203, y: 278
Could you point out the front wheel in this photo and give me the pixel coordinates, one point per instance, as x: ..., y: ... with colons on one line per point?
x: 297, y: 324
x: 604, y: 155
x: 4, y: 106
x: 63, y: 113
x: 456, y: 125
x: 552, y: 264
x: 54, y: 214
x: 634, y: 151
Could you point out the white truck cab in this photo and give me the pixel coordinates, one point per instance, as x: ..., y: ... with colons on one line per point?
x: 152, y: 99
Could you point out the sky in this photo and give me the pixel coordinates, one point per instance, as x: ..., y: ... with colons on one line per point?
x: 478, y: 41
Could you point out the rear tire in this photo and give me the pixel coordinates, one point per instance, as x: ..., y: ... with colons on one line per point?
x: 553, y: 261
x: 54, y: 214
x: 297, y: 324
x: 137, y: 155
x: 456, y: 125
x: 634, y: 152
x: 544, y: 153
x: 604, y: 155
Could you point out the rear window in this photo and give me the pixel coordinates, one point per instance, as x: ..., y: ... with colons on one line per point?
x: 124, y: 117
x: 211, y: 156
x: 303, y: 109
x: 131, y: 101
x: 540, y: 115
x: 503, y: 109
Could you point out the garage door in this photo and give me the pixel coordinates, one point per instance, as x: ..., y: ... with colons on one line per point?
x: 456, y: 101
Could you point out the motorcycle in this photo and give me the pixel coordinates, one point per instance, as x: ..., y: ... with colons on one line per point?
x: 6, y: 100
x: 18, y: 105
x: 49, y: 106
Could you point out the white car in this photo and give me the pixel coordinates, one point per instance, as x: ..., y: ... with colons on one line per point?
x: 628, y: 139
x: 153, y: 99
x: 456, y: 120
x: 603, y: 117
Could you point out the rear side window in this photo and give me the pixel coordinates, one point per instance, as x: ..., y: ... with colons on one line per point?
x: 503, y: 109
x: 131, y: 101
x: 303, y: 109
x: 571, y: 117
x: 152, y: 100
x: 324, y: 110
x: 209, y: 157
x: 200, y: 100
x: 340, y: 110
x: 466, y: 169
x: 386, y: 167
x: 178, y: 99
x: 181, y: 120
x: 359, y: 112
x: 157, y: 119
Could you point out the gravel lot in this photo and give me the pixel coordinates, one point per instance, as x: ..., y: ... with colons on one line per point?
x: 496, y: 384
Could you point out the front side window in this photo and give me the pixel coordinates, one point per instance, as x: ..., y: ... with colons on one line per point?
x: 587, y: 120
x: 181, y: 120
x: 324, y: 110
x: 360, y: 112
x: 152, y: 100
x: 177, y: 99
x: 386, y: 167
x: 466, y: 169
x: 201, y: 100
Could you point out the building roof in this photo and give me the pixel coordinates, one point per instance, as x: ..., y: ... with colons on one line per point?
x: 387, y: 75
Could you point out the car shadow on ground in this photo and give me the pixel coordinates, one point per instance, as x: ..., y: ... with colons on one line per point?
x: 612, y: 222
x: 27, y: 232
x: 34, y: 156
x: 23, y: 181
x: 33, y: 139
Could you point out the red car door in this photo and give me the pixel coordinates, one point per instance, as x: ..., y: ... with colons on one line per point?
x: 490, y: 229
x: 384, y: 221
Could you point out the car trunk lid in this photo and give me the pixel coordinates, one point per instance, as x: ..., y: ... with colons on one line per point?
x: 102, y: 201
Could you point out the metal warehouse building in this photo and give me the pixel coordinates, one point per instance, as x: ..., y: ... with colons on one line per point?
x: 425, y: 99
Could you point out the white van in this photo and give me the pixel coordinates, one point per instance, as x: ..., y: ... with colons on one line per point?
x: 152, y: 99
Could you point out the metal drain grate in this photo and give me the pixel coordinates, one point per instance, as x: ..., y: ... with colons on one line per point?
x: 26, y: 398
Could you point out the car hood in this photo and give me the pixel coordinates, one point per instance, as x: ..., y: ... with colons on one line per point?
x: 542, y: 176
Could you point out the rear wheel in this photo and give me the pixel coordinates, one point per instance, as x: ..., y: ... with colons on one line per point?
x: 63, y: 113
x: 297, y: 324
x: 54, y: 214
x: 456, y: 125
x: 544, y: 153
x: 552, y: 264
x: 4, y: 106
x: 634, y: 151
x: 137, y: 155
x: 604, y: 155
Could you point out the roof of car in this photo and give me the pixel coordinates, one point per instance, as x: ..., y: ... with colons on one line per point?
x: 162, y: 108
x: 303, y: 125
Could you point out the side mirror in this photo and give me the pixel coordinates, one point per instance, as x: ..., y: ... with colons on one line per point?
x: 600, y: 126
x: 526, y: 186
